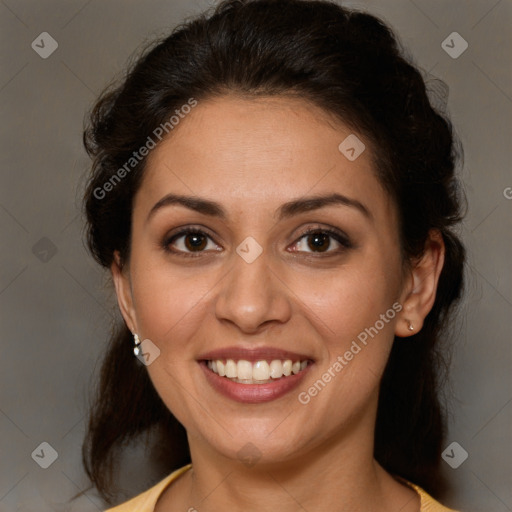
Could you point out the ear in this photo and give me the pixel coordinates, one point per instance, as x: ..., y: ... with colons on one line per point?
x: 120, y: 276
x: 419, y: 292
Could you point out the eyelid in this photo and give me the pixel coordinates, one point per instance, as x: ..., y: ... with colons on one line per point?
x: 184, y: 231
x: 326, y: 229
x: 338, y: 235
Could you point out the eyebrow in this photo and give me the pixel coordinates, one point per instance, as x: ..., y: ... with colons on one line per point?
x: 294, y: 207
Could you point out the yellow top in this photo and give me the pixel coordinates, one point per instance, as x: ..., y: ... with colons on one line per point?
x: 146, y: 501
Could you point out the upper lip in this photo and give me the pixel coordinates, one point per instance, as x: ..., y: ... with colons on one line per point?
x: 252, y: 354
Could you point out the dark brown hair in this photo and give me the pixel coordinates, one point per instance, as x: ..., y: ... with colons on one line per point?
x: 350, y: 64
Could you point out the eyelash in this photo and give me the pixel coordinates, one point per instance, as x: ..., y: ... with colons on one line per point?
x: 339, y: 237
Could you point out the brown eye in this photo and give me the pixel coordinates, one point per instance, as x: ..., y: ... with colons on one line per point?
x: 319, y: 242
x: 189, y: 241
x: 195, y: 242
x: 322, y: 241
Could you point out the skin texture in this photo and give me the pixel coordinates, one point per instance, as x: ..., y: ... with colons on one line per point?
x: 251, y: 156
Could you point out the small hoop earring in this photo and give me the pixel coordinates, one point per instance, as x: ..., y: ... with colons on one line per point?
x: 136, y: 349
x: 410, y: 326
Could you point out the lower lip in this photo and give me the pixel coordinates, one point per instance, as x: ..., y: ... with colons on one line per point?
x: 253, y: 393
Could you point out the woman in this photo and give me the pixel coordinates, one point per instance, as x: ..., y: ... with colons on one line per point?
x: 275, y: 196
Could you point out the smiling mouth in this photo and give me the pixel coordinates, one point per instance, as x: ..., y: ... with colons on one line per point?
x: 260, y: 372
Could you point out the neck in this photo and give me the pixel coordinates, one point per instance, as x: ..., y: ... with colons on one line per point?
x: 340, y: 475
x: 331, y: 480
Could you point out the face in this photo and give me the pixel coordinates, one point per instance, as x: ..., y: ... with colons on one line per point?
x: 265, y: 278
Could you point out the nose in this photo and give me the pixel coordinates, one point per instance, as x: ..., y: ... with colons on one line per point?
x: 252, y: 295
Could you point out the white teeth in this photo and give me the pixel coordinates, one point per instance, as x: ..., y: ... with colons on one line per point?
x: 276, y: 369
x: 231, y: 372
x: 244, y: 369
x: 258, y: 372
x: 261, y: 370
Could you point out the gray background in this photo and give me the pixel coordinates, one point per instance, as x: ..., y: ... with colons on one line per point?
x: 56, y: 309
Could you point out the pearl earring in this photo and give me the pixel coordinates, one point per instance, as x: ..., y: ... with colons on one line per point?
x: 410, y: 326
x: 136, y: 349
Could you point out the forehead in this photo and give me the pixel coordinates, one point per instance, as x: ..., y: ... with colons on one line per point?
x: 256, y: 153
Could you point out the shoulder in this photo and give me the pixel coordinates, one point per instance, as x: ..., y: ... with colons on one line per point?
x: 429, y: 504
x: 146, y: 501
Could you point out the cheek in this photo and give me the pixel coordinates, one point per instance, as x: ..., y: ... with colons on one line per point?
x: 171, y: 308
x: 168, y: 304
x: 354, y: 311
x: 347, y: 301
x: 355, y: 318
